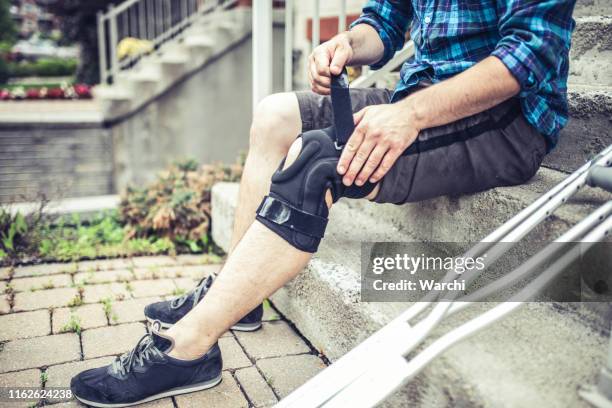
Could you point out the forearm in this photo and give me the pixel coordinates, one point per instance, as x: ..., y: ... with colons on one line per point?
x: 367, y: 46
x: 477, y: 89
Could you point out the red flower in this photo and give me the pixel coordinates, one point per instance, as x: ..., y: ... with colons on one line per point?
x: 33, y: 93
x: 83, y: 91
x: 5, y: 95
x: 55, y: 93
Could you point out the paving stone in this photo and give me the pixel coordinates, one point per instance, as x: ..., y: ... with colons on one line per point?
x: 111, y: 340
x: 225, y: 395
x: 131, y: 310
x: 285, y: 374
x: 148, y: 261
x: 233, y: 356
x: 39, y: 351
x: 185, y: 284
x: 44, y: 269
x: 89, y: 316
x: 156, y: 287
x: 41, y: 282
x: 94, y: 277
x: 26, y: 378
x: 19, y: 379
x: 259, y: 392
x: 24, y: 325
x: 197, y: 259
x: 96, y: 293
x: 5, y: 272
x: 4, y: 305
x: 69, y: 404
x: 44, y: 299
x: 2, y: 287
x: 60, y: 375
x: 104, y: 264
x: 273, y: 339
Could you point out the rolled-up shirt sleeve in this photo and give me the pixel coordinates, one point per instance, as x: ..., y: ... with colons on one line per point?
x: 390, y: 18
x: 535, y: 40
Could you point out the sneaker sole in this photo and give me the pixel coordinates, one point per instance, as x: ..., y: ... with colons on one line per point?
x: 175, y: 391
x: 243, y: 327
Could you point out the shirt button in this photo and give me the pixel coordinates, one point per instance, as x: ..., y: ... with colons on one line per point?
x: 427, y: 20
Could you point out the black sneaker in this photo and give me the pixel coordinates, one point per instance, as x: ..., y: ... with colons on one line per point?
x: 145, y: 374
x: 171, y: 311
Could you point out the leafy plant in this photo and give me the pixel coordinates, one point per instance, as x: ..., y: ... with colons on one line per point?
x: 177, y: 205
x: 73, y: 325
x: 20, y: 234
x: 107, y: 306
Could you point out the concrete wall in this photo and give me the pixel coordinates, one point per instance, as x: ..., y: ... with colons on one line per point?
x: 56, y: 160
x: 206, y: 117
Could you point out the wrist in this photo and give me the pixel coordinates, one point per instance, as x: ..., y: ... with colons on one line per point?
x: 415, y: 111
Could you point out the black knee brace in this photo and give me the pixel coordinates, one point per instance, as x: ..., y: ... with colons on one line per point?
x: 296, y: 209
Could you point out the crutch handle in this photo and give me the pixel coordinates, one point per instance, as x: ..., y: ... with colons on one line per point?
x: 600, y: 176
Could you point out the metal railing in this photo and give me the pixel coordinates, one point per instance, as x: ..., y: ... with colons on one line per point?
x: 134, y: 28
x: 262, y: 47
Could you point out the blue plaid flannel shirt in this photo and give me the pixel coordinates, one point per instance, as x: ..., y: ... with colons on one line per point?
x: 531, y: 37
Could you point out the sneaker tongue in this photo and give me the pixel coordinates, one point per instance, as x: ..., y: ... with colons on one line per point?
x: 161, y: 341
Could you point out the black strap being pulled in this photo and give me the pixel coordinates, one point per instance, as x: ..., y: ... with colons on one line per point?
x: 342, y: 108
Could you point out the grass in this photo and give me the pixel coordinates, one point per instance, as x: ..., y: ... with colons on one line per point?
x: 107, y: 306
x: 73, y: 325
x: 178, y: 292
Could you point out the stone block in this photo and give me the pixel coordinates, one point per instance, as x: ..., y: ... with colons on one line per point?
x: 111, y: 340
x: 24, y: 325
x: 39, y: 351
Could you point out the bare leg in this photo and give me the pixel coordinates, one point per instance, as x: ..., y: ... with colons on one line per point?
x: 276, y: 124
x: 261, y: 263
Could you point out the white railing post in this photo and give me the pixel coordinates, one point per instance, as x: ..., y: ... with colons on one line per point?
x: 112, y: 17
x: 288, y: 73
x: 316, y: 24
x: 102, y: 48
x: 342, y: 17
x: 262, y: 50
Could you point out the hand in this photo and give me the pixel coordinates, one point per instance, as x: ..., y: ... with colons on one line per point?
x: 328, y: 59
x: 382, y: 133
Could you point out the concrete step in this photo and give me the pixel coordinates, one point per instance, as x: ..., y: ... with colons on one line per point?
x: 588, y: 130
x: 591, y: 52
x: 536, y: 357
x: 158, y: 72
x: 593, y: 8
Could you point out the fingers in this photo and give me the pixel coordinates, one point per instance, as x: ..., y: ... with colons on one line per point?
x: 350, y: 149
x: 387, y: 162
x: 320, y: 76
x: 340, y: 58
x: 373, y: 162
x: 358, y: 161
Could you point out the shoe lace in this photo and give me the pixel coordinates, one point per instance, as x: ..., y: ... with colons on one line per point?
x: 144, y: 350
x: 199, y: 290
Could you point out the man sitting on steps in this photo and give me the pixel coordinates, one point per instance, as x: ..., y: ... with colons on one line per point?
x: 479, y: 106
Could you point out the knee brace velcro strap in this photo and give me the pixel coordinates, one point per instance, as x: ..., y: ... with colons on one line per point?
x: 284, y: 214
x: 296, y: 209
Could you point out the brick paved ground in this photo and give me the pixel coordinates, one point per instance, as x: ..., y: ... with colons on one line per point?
x: 59, y: 319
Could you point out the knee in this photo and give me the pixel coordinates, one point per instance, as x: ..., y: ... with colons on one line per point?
x: 276, y: 122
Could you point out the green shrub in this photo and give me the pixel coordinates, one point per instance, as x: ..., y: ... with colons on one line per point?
x: 44, y: 67
x: 177, y: 205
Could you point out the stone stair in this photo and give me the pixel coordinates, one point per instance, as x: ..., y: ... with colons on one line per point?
x: 205, y: 40
x: 537, y: 357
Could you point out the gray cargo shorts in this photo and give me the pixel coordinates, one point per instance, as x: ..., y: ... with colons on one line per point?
x: 494, y: 148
